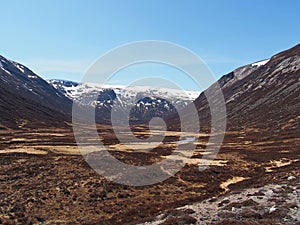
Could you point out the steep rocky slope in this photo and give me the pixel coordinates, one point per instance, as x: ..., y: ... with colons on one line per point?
x: 26, y: 100
x: 264, y: 94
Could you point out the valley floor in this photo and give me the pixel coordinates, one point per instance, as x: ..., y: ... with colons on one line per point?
x: 45, y: 180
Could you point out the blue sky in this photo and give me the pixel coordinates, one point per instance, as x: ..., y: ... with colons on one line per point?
x: 61, y: 39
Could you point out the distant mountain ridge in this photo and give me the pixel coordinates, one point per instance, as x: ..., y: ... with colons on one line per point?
x: 143, y: 102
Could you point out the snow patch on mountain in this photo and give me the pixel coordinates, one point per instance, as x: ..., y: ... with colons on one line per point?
x: 74, y: 90
x: 20, y: 67
x: 261, y: 63
x: 6, y: 71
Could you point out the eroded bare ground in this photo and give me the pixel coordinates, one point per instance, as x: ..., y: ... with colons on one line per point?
x: 268, y: 204
x: 45, y: 180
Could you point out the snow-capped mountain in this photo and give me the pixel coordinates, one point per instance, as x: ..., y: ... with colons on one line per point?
x: 28, y: 100
x: 143, y: 102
